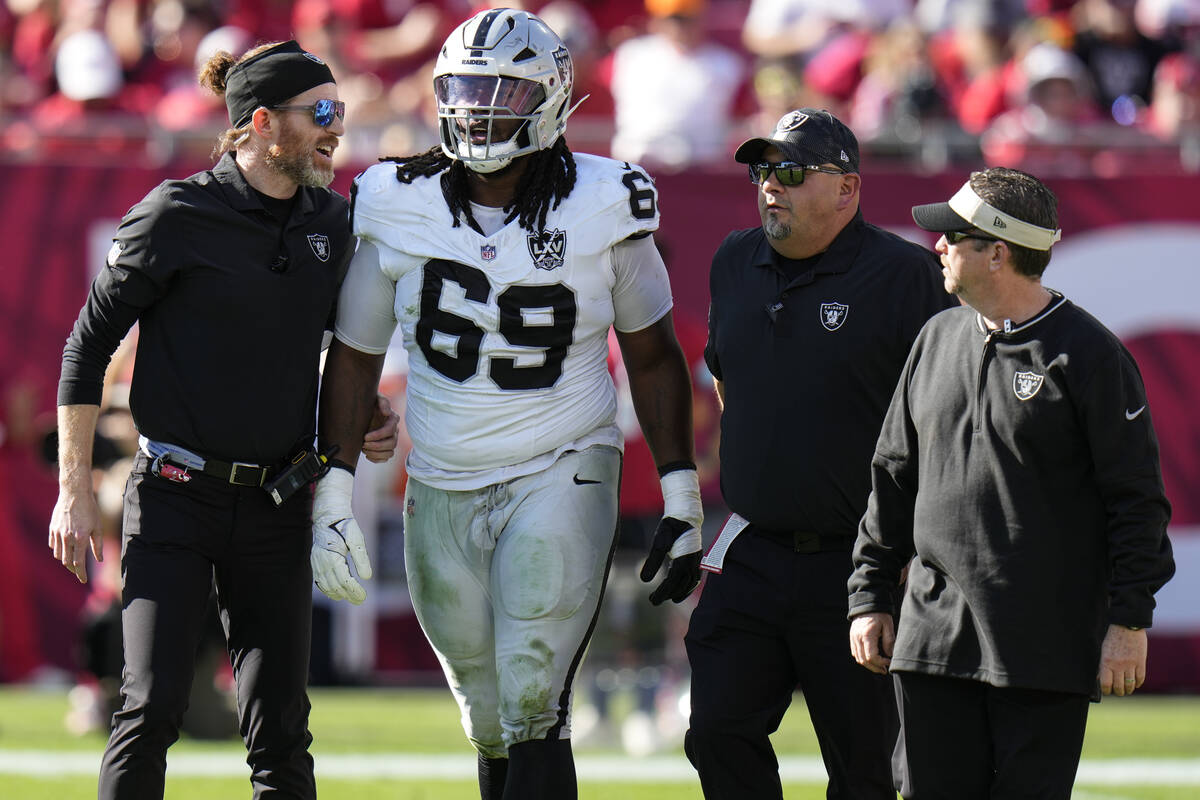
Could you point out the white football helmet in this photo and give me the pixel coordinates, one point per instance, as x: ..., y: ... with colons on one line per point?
x: 503, y: 84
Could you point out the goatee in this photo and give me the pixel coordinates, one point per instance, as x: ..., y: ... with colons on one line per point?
x: 775, y: 229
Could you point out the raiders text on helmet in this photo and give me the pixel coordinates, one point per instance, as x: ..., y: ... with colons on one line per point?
x: 503, y: 83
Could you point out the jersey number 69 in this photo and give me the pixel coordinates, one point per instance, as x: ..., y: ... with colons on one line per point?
x: 554, y: 338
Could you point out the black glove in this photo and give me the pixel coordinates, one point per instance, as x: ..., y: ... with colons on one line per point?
x: 683, y: 570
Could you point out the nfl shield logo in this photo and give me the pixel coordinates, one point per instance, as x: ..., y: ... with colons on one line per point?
x: 547, y: 248
x: 319, y: 243
x: 487, y: 252
x: 833, y: 315
x: 1026, y: 384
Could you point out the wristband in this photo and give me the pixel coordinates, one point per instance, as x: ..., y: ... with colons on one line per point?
x: 339, y: 464
x: 674, y: 466
x: 681, y: 496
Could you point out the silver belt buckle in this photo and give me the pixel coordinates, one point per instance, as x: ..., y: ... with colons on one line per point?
x: 233, y: 474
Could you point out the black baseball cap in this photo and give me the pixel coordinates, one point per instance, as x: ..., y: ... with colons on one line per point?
x: 806, y: 136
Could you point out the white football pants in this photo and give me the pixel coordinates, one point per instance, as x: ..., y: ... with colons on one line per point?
x: 506, y: 582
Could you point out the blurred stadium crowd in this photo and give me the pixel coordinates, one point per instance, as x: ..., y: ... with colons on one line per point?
x: 1069, y: 87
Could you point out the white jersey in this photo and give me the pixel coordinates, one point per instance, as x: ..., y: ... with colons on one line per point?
x: 506, y: 333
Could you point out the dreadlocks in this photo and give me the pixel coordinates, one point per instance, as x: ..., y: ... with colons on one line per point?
x: 547, y: 181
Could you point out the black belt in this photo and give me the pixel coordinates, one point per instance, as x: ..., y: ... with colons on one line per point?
x: 238, y: 473
x: 808, y: 541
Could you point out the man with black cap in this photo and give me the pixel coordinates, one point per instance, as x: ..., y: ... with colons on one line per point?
x: 232, y: 276
x: 1018, y: 463
x: 812, y: 316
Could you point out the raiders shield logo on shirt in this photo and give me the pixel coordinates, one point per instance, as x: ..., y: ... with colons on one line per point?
x: 1026, y: 384
x: 833, y: 315
x: 547, y: 248
x: 319, y: 243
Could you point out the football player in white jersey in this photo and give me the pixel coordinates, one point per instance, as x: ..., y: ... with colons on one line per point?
x: 505, y: 259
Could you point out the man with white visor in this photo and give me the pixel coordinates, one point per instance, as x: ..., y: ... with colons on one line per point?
x: 1018, y: 463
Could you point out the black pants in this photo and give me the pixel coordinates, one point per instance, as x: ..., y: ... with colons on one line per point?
x: 773, y: 621
x: 177, y: 538
x: 965, y: 740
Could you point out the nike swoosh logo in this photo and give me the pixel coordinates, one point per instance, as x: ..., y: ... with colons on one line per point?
x: 341, y: 532
x: 1134, y: 414
x: 582, y: 481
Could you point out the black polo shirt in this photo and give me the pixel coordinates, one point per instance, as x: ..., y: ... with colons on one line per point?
x: 231, y: 306
x: 809, y: 365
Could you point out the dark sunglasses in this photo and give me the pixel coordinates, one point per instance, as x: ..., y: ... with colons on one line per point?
x: 789, y: 173
x: 323, y: 111
x: 954, y: 237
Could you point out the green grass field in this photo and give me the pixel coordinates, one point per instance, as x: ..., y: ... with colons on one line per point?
x: 375, y: 723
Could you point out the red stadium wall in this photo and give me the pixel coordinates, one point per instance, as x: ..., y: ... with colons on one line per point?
x: 1128, y: 256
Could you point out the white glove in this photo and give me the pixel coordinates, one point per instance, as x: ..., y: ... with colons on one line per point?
x: 677, y: 536
x: 336, y: 534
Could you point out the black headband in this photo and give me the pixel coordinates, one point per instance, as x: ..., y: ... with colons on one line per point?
x: 270, y: 78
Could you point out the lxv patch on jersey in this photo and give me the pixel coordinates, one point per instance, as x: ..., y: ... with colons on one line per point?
x: 548, y: 248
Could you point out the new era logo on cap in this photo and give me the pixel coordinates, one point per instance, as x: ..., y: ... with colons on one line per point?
x: 999, y: 223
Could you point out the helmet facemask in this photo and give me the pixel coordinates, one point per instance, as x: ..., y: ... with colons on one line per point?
x: 487, y: 121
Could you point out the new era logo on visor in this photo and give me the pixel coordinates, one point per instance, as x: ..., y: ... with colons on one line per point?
x: 998, y: 223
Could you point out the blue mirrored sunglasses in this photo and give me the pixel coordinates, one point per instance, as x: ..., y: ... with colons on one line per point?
x: 323, y: 111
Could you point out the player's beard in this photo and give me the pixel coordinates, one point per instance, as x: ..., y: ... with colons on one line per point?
x: 292, y: 157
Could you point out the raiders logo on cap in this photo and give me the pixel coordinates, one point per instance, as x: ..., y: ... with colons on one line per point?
x: 791, y: 120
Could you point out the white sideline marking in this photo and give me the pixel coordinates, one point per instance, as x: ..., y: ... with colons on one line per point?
x: 612, y: 769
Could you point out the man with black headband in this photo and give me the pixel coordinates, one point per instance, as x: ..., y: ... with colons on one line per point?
x: 232, y: 276
x: 1018, y: 463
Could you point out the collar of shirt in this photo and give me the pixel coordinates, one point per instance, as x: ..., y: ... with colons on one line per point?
x: 838, y: 258
x: 1024, y: 329
x: 241, y: 195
